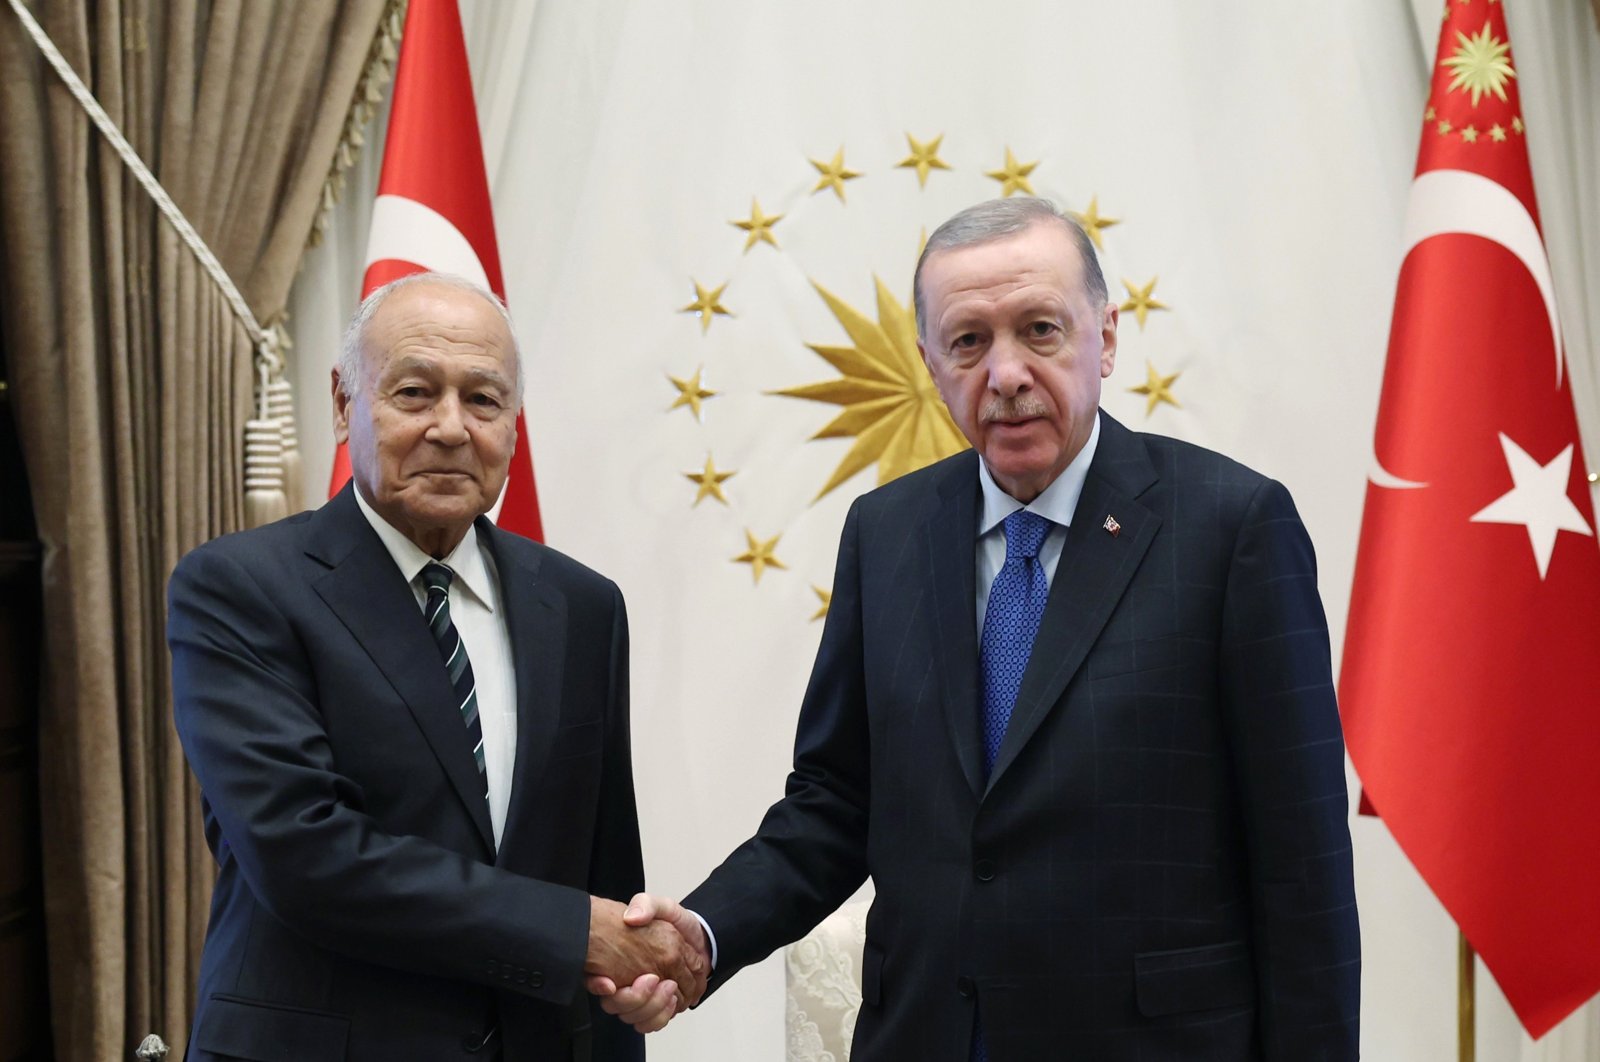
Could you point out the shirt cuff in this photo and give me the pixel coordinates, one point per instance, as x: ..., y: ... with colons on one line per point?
x: 711, y: 938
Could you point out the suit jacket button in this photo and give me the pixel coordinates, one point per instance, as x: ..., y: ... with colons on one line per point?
x: 536, y: 980
x: 964, y: 986
x: 984, y: 869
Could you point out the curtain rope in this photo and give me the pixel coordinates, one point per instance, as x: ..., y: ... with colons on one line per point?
x: 266, y: 343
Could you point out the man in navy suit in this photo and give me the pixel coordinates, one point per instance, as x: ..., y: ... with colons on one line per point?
x: 1073, y: 715
x: 410, y: 731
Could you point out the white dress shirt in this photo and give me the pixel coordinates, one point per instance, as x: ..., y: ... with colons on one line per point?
x: 475, y: 610
x: 1055, y: 504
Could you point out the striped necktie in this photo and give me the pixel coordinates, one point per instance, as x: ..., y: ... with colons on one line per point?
x: 436, y: 578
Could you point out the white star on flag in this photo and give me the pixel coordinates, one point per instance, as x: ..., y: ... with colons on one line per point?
x: 1537, y: 500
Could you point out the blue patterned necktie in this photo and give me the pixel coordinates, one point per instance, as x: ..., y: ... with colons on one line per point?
x: 1016, y: 604
x: 436, y: 578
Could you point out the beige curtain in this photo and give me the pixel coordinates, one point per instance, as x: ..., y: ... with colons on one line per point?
x: 132, y: 381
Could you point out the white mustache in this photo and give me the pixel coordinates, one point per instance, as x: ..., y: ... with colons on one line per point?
x: 1018, y: 407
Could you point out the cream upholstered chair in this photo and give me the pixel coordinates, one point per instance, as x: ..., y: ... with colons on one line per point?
x: 823, y: 975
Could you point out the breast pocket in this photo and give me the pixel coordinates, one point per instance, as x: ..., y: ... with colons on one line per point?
x: 578, y: 740
x: 1130, y: 655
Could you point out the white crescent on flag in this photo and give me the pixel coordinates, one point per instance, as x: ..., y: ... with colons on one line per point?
x: 1457, y: 201
x: 1445, y: 201
x: 409, y: 231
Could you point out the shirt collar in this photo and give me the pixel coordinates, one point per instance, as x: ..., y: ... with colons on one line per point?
x: 1055, y: 503
x: 466, y: 560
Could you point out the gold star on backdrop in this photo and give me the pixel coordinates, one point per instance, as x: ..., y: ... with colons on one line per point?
x: 707, y: 304
x: 759, y: 556
x: 1516, y: 124
x: 834, y: 175
x: 1013, y: 177
x: 1157, y: 389
x: 1092, y: 222
x: 1141, y: 300
x: 1481, y: 64
x: 690, y: 393
x: 1497, y: 133
x: 1469, y: 135
x: 890, y: 404
x: 923, y: 157
x: 710, y: 481
x: 826, y: 597
x: 758, y: 225
x: 1430, y: 114
x: 1445, y: 126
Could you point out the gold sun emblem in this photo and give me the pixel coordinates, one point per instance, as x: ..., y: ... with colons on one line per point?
x: 1481, y: 64
x: 891, y: 407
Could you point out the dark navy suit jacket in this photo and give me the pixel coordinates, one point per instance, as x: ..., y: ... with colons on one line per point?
x: 1158, y: 868
x: 361, y: 910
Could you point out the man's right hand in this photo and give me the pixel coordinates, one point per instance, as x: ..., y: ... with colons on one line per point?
x: 646, y: 1004
x: 621, y: 952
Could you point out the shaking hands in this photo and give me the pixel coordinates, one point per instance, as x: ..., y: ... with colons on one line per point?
x: 647, y: 961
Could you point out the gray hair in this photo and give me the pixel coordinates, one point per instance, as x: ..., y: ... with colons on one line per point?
x: 997, y: 219
x: 355, y: 333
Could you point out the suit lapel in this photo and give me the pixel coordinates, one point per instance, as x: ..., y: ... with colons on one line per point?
x: 536, y: 618
x: 363, y: 587
x: 951, y: 535
x: 1095, y: 569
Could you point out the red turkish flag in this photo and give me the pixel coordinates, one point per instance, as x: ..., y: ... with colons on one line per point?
x: 433, y: 210
x: 1471, y: 676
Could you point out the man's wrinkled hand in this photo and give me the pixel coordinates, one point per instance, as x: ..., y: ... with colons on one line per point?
x: 645, y: 1001
x: 622, y: 952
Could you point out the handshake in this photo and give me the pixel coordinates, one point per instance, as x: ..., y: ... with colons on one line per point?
x: 647, y: 961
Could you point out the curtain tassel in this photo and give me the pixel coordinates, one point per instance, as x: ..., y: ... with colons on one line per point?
x: 264, y: 497
x: 151, y: 1049
x: 280, y: 407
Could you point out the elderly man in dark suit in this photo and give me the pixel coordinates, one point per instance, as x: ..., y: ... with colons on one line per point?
x: 1072, y: 713
x: 410, y: 731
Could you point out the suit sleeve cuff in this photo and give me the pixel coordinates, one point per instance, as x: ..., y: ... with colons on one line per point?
x: 711, y: 938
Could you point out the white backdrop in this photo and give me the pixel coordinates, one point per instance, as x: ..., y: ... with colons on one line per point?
x: 1258, y: 156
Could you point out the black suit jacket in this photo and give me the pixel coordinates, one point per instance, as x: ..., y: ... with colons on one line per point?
x: 1159, y: 866
x: 361, y: 910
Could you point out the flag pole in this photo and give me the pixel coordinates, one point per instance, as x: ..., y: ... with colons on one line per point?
x: 1466, y: 1019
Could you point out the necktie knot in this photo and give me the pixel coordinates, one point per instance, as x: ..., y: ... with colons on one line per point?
x: 436, y: 577
x: 1025, y: 533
